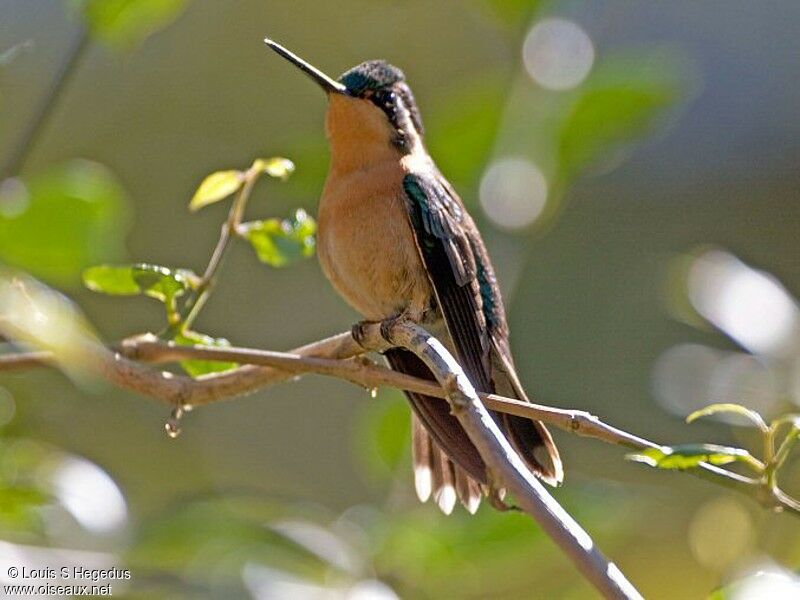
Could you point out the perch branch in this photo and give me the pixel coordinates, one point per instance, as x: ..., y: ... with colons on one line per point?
x: 339, y: 356
x: 504, y: 466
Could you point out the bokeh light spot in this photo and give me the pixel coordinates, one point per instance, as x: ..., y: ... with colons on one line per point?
x: 90, y: 495
x: 769, y: 581
x: 721, y: 533
x: 558, y: 54
x: 681, y: 376
x: 688, y: 377
x: 513, y: 192
x: 752, y: 307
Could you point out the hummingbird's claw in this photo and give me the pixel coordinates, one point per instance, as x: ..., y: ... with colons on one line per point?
x: 359, y: 333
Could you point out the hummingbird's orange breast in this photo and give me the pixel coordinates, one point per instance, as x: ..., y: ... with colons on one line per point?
x: 366, y: 245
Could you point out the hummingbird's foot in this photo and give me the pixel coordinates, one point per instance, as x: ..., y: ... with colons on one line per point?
x: 496, y: 495
x: 359, y: 332
x: 388, y: 324
x: 501, y: 505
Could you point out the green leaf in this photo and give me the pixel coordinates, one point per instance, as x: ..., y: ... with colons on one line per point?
x: 12, y: 499
x: 59, y: 222
x: 281, y: 242
x: 216, y: 187
x: 617, y: 105
x: 727, y: 407
x: 155, y: 281
x: 195, y: 368
x: 126, y: 23
x: 161, y: 283
x: 278, y: 167
x: 688, y: 456
x: 116, y: 281
x: 21, y: 504
x: 464, y: 128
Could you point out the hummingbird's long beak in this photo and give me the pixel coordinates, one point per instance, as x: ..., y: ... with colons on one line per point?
x: 331, y: 86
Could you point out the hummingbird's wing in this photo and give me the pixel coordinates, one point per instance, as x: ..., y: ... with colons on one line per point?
x: 468, y: 297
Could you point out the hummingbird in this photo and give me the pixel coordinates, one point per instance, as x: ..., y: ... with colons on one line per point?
x: 396, y: 241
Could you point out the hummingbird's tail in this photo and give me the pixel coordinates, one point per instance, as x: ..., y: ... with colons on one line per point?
x: 446, y: 463
x: 435, y: 474
x: 530, y: 439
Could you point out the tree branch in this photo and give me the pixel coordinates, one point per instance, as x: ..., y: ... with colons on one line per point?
x: 504, y: 466
x: 22, y: 149
x: 339, y: 356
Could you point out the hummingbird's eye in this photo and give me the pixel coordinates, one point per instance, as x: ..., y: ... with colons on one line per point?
x: 387, y: 101
x: 390, y: 102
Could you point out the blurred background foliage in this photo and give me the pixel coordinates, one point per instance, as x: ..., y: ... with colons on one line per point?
x: 633, y: 168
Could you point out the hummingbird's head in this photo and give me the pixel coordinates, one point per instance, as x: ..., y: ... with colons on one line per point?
x: 371, y: 110
x: 385, y: 87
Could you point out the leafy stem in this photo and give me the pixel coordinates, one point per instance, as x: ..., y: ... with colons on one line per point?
x: 204, y: 288
x: 691, y: 455
x: 775, y: 459
x: 785, y: 447
x: 277, y: 242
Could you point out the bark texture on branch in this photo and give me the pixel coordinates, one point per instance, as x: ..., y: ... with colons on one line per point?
x: 341, y: 357
x: 503, y: 464
x: 123, y: 366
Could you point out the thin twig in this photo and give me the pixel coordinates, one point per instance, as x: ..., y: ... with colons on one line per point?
x: 180, y: 391
x: 177, y: 389
x: 22, y: 361
x: 334, y: 357
x: 229, y: 228
x: 22, y: 149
